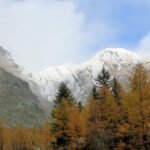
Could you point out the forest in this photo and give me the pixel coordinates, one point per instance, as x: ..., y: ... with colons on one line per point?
x: 113, y: 118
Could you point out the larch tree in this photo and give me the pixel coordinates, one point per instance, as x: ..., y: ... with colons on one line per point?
x: 78, y: 125
x: 47, y: 136
x: 1, y: 134
x: 108, y: 119
x: 138, y: 105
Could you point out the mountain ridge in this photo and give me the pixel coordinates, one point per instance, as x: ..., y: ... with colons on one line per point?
x: 80, y: 78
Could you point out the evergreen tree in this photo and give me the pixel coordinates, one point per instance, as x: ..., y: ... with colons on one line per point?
x: 95, y: 93
x: 60, y: 114
x: 63, y: 92
x: 103, y: 82
x: 116, y: 90
x: 103, y: 78
x: 80, y: 107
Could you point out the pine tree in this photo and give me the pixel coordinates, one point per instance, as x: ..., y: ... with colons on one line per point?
x: 103, y: 78
x: 103, y: 83
x: 80, y: 107
x: 116, y: 90
x: 63, y: 92
x: 95, y: 93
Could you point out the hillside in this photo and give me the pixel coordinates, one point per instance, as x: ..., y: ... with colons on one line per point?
x: 18, y: 105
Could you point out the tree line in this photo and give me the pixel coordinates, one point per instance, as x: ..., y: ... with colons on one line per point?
x: 111, y: 119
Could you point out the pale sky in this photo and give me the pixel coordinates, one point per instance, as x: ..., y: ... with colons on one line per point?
x: 43, y: 33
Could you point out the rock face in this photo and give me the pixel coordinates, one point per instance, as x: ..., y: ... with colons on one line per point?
x: 18, y: 105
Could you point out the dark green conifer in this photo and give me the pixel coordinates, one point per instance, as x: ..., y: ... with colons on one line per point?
x: 63, y: 92
x: 103, y: 78
x: 80, y: 106
x: 116, y: 89
x: 95, y: 93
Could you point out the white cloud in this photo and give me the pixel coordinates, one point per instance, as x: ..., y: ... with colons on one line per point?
x: 41, y: 33
x: 144, y: 46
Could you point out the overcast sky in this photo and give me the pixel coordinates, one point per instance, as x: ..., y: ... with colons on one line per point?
x: 42, y: 33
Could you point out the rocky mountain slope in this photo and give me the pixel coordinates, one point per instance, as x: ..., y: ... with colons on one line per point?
x: 18, y: 105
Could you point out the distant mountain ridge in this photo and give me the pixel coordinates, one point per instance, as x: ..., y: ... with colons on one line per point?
x: 79, y: 78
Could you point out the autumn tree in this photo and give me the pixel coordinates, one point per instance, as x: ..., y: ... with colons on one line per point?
x: 99, y: 94
x: 108, y: 118
x: 78, y: 125
x: 47, y: 136
x: 60, y: 124
x: 38, y: 138
x: 1, y: 134
x: 8, y: 139
x: 22, y: 138
x: 138, y: 105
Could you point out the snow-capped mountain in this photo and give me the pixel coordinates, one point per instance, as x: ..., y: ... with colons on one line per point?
x: 81, y: 78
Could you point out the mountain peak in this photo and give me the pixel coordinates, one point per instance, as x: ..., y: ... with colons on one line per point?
x: 116, y: 55
x: 118, y: 51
